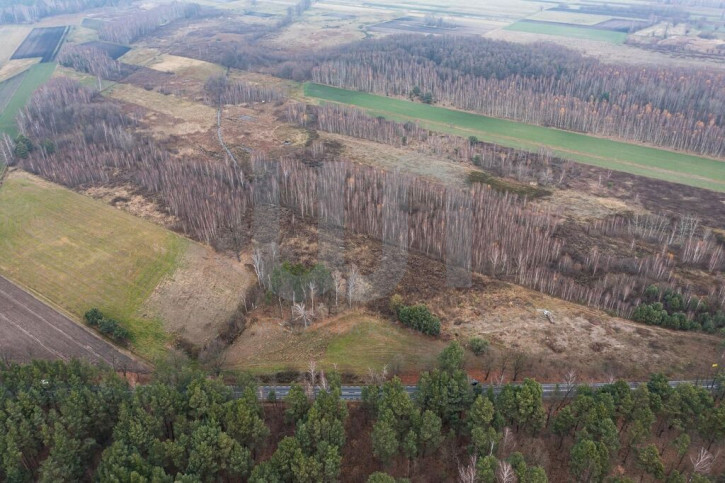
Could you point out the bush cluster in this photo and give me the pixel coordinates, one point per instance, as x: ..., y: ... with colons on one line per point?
x: 292, y: 280
x: 107, y: 326
x: 669, y: 309
x: 418, y: 317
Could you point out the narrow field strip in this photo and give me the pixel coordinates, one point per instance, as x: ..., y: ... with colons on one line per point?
x: 15, y: 99
x: 636, y: 159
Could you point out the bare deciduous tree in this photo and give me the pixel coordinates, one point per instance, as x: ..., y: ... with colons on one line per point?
x: 702, y: 462
x: 300, y: 313
x: 352, y: 284
x: 467, y: 473
x: 505, y: 473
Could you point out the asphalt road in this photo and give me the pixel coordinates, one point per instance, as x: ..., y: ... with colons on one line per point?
x: 30, y: 329
x: 354, y: 393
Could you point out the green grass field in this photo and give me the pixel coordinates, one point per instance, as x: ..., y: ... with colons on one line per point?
x: 79, y: 253
x: 35, y: 77
x: 353, y: 343
x: 570, y: 31
x: 630, y: 158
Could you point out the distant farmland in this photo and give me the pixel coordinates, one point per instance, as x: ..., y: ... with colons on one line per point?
x: 568, y: 30
x: 630, y: 158
x: 41, y: 42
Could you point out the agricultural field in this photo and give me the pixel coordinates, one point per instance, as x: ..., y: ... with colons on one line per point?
x: 30, y: 329
x: 571, y: 31
x: 41, y: 42
x: 571, y: 16
x: 79, y: 253
x: 79, y: 35
x: 497, y: 9
x: 417, y: 24
x: 12, y: 36
x: 630, y: 158
x: 15, y: 92
x: 92, y: 23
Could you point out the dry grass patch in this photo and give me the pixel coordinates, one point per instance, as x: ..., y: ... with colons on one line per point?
x: 15, y: 67
x: 588, y: 340
x: 406, y: 160
x: 186, y: 117
x: 140, y: 56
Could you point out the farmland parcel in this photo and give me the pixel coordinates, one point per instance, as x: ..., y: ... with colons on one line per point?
x: 80, y: 253
x: 630, y: 158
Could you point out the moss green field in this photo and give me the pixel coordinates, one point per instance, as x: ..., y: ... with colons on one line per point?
x: 571, y: 31
x: 79, y: 253
x: 33, y: 78
x: 636, y: 159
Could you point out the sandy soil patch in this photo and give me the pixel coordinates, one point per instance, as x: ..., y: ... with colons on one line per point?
x: 585, y: 207
x: 199, y: 297
x: 185, y: 66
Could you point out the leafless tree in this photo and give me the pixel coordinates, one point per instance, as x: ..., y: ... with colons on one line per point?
x: 258, y: 263
x: 505, y: 473
x: 508, y: 442
x: 352, y: 284
x: 467, y: 473
x: 702, y: 462
x: 312, y: 290
x: 300, y: 313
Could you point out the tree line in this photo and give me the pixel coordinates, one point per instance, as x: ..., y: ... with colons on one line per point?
x: 131, y: 26
x: 222, y: 90
x: 70, y: 421
x: 525, y: 166
x: 28, y: 11
x: 680, y: 108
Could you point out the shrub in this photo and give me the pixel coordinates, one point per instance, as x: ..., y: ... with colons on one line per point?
x: 396, y: 301
x: 107, y: 326
x: 292, y: 280
x: 478, y: 345
x: 93, y: 317
x: 420, y: 318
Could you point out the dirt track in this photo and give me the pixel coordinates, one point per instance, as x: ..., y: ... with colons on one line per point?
x: 29, y: 329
